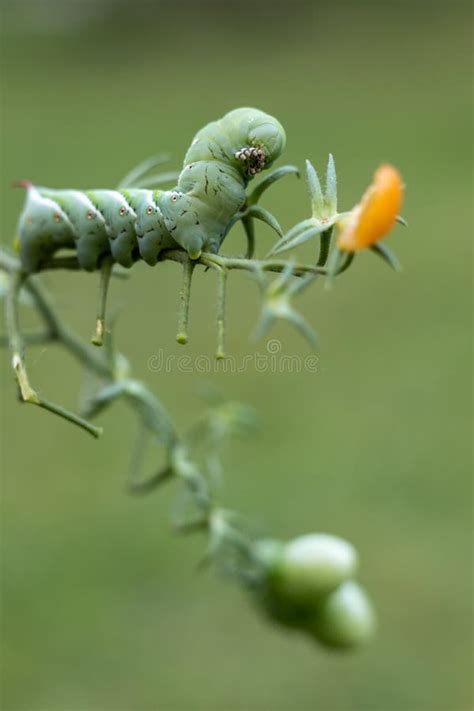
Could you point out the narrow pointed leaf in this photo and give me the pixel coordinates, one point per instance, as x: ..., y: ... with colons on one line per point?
x: 299, y: 285
x: 156, y: 179
x: 150, y: 409
x: 139, y: 170
x: 331, y: 187
x: 279, y: 284
x: 295, y: 230
x: 346, y: 262
x: 300, y: 239
x: 333, y: 265
x: 264, y: 324
x: 401, y: 221
x: 152, y: 482
x: 260, y: 213
x: 249, y: 229
x: 325, y: 246
x: 271, y: 178
x: 301, y: 325
x: 315, y: 190
x: 387, y: 255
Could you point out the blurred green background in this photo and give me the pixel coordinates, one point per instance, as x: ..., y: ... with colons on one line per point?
x: 102, y: 608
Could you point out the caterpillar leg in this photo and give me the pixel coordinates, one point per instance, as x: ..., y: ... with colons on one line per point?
x: 104, y: 281
x: 17, y: 347
x: 184, y: 296
x: 221, y: 298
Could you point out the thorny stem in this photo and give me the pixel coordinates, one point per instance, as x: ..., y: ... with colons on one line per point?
x: 211, y: 519
x: 58, y: 331
x: 61, y: 332
x: 27, y: 393
x: 180, y: 465
x: 250, y: 265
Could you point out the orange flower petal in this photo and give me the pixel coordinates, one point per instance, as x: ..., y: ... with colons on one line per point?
x: 376, y: 213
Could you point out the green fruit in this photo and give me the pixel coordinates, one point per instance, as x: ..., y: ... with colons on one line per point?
x: 343, y: 619
x: 313, y: 565
x: 267, y: 554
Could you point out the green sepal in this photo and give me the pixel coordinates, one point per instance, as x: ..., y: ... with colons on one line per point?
x: 283, y: 245
x: 325, y: 245
x: 315, y: 191
x: 387, y: 255
x: 330, y: 196
x: 334, y: 262
x: 277, y: 304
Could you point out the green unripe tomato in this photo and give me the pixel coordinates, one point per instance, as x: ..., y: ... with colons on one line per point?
x: 344, y: 619
x: 278, y: 607
x: 313, y: 565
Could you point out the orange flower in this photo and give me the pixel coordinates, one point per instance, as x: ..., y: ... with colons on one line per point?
x: 376, y: 213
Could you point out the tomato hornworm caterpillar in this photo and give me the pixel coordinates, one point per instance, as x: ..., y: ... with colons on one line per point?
x: 131, y: 224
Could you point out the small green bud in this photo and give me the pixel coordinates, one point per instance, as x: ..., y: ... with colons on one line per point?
x: 343, y: 619
x: 313, y: 565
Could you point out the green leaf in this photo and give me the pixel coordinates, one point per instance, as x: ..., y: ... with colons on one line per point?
x: 128, y: 181
x: 136, y: 483
x: 249, y: 229
x: 387, y: 255
x: 331, y: 188
x: 260, y: 213
x: 156, y: 179
x: 300, y: 239
x: 333, y: 265
x: 315, y: 191
x: 295, y: 230
x: 150, y: 409
x: 277, y: 304
x: 301, y: 325
x: 401, y: 221
x: 269, y: 179
x: 325, y: 245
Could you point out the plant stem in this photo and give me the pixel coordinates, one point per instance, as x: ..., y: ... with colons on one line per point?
x: 27, y: 393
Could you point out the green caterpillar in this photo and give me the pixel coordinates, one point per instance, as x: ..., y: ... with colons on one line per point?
x: 131, y: 224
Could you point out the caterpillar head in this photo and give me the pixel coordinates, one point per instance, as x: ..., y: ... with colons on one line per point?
x: 267, y: 134
x: 263, y: 139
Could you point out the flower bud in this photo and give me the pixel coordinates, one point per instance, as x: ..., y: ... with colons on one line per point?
x: 313, y: 565
x: 343, y: 619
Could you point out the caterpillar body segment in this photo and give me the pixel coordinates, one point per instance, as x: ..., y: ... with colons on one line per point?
x: 133, y: 224
x: 127, y: 225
